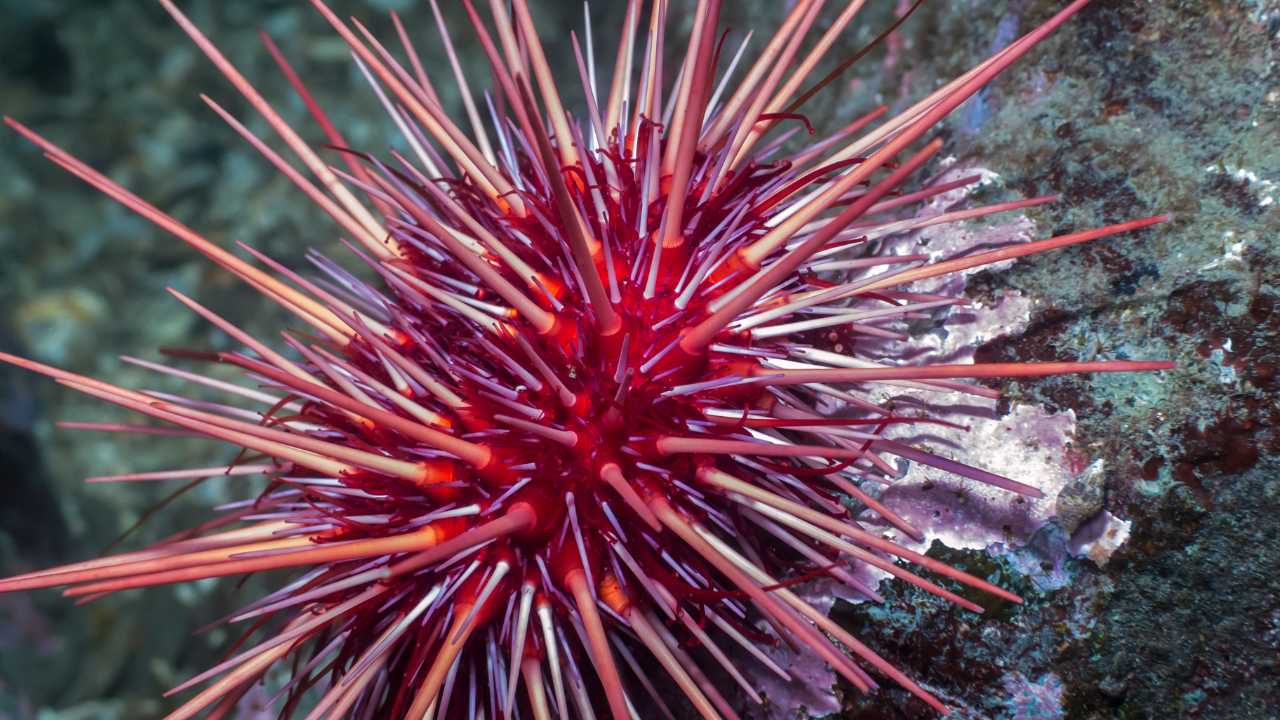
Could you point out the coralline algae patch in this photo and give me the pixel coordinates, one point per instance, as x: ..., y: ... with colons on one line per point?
x: 811, y: 693
x: 1033, y: 700
x: 1101, y: 537
x: 1027, y: 443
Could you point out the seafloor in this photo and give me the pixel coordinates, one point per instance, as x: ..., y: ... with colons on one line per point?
x: 1133, y: 108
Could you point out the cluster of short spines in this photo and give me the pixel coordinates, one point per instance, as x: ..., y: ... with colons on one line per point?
x: 568, y: 448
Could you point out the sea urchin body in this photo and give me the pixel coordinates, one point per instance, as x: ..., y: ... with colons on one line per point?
x: 575, y: 422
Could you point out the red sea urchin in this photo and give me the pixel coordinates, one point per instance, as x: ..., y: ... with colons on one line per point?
x: 573, y: 420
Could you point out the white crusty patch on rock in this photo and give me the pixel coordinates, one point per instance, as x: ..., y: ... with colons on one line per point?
x: 1028, y: 444
x: 1099, y: 538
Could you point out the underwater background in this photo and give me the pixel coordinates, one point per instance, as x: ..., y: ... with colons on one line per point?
x: 1153, y: 580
